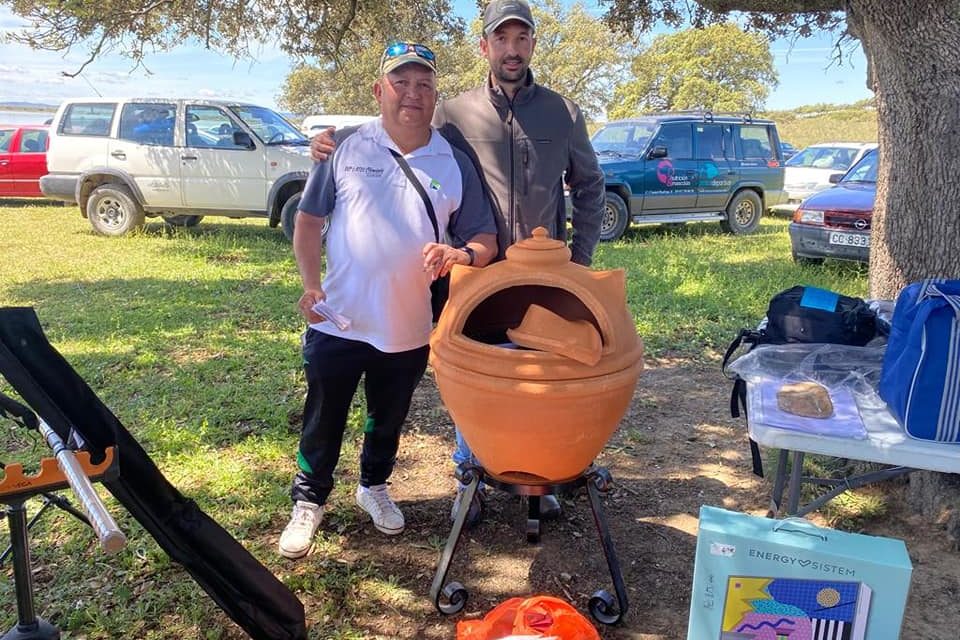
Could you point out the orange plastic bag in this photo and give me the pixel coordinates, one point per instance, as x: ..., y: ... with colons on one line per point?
x: 537, y: 616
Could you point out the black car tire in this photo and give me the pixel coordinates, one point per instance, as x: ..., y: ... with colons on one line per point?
x: 183, y: 220
x: 113, y: 211
x: 743, y: 213
x: 288, y: 216
x: 615, y: 218
x: 804, y: 259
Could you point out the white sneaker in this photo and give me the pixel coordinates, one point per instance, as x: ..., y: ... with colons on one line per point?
x: 297, y: 536
x: 386, y: 516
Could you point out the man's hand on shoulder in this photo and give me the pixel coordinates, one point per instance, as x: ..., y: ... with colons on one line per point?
x: 322, y: 145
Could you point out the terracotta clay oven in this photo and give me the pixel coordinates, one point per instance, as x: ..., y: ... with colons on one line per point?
x: 536, y: 359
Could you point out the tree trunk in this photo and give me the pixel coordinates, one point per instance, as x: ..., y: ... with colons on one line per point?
x: 914, y: 66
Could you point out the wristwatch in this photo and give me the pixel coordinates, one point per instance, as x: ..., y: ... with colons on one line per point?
x: 471, y: 254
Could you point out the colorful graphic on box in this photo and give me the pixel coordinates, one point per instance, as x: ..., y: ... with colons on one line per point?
x: 764, y: 608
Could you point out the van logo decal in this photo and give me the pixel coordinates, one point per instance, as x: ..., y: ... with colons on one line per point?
x: 665, y: 172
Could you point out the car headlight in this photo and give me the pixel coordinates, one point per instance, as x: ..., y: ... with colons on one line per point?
x: 808, y: 216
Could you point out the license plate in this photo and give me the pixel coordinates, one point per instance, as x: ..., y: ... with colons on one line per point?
x: 849, y: 239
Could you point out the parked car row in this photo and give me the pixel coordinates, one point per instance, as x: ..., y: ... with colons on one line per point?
x: 23, y: 160
x: 809, y: 171
x: 836, y: 223
x: 126, y: 159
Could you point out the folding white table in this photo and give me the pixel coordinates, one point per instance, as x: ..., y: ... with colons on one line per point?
x: 886, y: 444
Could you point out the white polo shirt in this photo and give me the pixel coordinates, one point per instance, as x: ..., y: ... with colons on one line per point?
x: 379, y: 225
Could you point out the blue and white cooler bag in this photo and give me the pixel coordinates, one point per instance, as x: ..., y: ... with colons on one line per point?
x: 920, y: 380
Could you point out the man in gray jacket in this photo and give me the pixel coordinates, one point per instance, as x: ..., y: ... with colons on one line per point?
x: 525, y: 141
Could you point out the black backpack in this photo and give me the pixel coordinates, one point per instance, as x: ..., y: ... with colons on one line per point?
x: 800, y: 314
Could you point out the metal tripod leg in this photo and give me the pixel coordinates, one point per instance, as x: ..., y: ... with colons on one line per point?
x: 452, y: 598
x: 533, y: 519
x: 29, y: 626
x: 602, y: 606
x: 49, y: 500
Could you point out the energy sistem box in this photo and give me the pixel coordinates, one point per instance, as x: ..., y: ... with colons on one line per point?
x: 762, y: 579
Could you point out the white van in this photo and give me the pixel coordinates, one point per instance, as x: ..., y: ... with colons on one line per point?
x: 125, y: 159
x: 312, y: 125
x: 809, y: 171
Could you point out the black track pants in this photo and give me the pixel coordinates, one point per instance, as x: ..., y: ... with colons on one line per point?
x: 333, y: 369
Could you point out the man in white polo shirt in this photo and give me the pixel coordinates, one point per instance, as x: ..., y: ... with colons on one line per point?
x: 382, y: 255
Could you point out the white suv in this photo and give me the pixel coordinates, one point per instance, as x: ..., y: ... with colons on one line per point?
x: 123, y: 160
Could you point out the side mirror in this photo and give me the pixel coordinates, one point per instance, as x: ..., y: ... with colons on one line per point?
x: 835, y: 178
x: 657, y: 152
x: 243, y: 139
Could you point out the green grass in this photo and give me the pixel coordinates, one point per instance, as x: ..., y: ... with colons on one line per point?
x: 192, y: 337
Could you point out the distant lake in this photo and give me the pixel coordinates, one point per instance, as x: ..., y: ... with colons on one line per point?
x: 24, y: 117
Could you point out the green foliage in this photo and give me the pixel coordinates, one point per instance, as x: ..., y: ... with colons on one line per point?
x: 323, y: 29
x: 776, y: 18
x: 576, y: 55
x: 718, y: 68
x: 347, y: 87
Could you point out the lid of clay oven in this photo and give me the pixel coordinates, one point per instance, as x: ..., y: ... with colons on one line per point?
x: 539, y: 249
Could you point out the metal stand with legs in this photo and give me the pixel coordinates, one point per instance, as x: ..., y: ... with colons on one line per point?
x: 450, y: 598
x: 15, y: 489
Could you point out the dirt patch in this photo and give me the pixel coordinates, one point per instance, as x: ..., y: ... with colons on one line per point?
x: 676, y: 449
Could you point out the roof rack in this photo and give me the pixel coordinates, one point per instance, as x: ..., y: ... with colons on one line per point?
x: 708, y: 115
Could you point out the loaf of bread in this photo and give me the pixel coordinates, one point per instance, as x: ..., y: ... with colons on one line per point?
x: 807, y: 399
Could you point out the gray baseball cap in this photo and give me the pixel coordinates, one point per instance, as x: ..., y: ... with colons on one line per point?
x: 500, y: 11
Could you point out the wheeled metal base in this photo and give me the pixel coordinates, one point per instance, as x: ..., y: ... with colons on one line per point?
x: 451, y: 597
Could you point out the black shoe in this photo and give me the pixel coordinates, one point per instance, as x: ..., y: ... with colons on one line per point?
x: 475, y: 512
x: 550, y: 508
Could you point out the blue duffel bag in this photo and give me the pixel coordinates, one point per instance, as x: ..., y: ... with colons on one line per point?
x: 920, y: 380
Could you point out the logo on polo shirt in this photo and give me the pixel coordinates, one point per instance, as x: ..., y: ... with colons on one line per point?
x: 365, y: 172
x: 434, y: 185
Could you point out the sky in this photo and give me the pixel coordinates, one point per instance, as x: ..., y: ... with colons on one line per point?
x: 807, y: 73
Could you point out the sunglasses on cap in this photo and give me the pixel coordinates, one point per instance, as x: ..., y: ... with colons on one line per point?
x: 398, y: 49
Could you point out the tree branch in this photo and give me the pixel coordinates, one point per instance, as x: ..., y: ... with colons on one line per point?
x: 772, y: 6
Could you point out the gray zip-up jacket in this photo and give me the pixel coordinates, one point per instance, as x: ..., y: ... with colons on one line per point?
x: 522, y: 149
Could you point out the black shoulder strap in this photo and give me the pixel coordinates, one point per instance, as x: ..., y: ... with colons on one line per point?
x: 419, y: 187
x: 738, y: 394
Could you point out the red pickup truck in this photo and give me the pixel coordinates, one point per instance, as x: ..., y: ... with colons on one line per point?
x: 23, y: 159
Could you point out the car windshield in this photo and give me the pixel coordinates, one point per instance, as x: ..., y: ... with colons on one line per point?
x: 269, y: 125
x: 865, y: 170
x: 835, y: 158
x: 623, y: 138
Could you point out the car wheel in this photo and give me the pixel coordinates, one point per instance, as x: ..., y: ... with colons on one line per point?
x: 183, y: 220
x: 615, y: 218
x: 288, y: 216
x: 805, y: 260
x: 743, y: 213
x: 113, y: 211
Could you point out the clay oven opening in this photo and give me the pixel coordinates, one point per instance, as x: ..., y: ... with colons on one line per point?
x: 506, y: 308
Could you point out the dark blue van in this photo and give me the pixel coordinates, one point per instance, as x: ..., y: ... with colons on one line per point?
x: 683, y: 167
